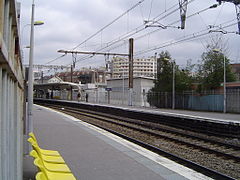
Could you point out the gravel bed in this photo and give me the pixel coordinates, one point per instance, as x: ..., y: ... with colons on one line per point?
x: 163, y: 132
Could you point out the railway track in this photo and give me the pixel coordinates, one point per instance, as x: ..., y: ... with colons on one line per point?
x: 155, y: 136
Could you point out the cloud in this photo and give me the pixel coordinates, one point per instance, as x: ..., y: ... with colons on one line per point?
x: 70, y: 22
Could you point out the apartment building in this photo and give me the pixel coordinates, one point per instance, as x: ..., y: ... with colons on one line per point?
x: 11, y: 93
x: 142, y: 67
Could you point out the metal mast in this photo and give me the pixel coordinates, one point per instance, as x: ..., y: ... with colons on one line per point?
x: 183, y: 12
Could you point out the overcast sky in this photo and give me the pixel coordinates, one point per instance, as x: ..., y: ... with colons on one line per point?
x: 70, y: 22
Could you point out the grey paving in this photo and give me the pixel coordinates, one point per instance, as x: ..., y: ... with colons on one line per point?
x: 91, y: 155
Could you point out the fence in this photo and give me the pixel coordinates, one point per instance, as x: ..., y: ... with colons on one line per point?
x: 206, y: 101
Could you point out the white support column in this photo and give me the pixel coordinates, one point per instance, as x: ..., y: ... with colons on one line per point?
x: 3, y: 128
x: 19, y: 136
x: 12, y: 147
x: 18, y: 130
x: 1, y: 121
x: 7, y: 137
x: 4, y: 133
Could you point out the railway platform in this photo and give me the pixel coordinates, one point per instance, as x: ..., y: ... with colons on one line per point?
x: 211, y: 116
x: 93, y: 153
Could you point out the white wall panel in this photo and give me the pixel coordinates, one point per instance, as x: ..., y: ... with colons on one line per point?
x: 11, y: 98
x: 1, y: 121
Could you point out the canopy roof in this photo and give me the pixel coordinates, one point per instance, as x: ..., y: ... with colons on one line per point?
x: 57, y: 86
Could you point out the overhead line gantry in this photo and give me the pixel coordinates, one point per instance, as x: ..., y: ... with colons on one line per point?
x: 183, y: 11
x: 129, y: 55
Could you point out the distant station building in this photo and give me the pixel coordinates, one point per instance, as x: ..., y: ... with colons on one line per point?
x: 118, y: 90
x: 84, y: 81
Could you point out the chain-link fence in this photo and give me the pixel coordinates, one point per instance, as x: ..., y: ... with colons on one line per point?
x: 191, y: 100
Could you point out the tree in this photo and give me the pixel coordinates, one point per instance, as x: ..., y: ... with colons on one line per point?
x: 211, y: 70
x: 164, y: 73
x: 163, y: 83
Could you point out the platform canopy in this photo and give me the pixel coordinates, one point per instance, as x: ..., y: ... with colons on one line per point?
x: 57, y: 86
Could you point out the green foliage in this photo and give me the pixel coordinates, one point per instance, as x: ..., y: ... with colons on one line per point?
x: 211, y: 71
x: 164, y: 80
x: 183, y: 80
x: 164, y: 73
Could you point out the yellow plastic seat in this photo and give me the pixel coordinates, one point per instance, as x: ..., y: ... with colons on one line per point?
x: 53, y: 175
x: 43, y: 151
x: 51, y: 166
x: 41, y: 176
x: 47, y: 158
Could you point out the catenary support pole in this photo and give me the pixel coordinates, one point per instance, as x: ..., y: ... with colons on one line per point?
x: 224, y: 84
x: 130, y: 77
x: 173, y: 85
x: 71, y: 93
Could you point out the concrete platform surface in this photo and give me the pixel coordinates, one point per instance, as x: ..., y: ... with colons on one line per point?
x: 92, y: 153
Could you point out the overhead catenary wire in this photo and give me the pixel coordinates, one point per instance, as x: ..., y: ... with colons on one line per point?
x: 138, y: 30
x: 150, y: 10
x: 185, y: 38
x: 169, y: 25
x: 154, y: 31
x: 109, y: 24
x: 218, y: 15
x: 124, y: 36
x: 140, y: 37
x: 57, y: 58
x: 192, y: 34
x: 134, y: 31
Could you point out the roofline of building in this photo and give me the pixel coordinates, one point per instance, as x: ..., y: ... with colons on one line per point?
x: 60, y: 83
x: 139, y: 77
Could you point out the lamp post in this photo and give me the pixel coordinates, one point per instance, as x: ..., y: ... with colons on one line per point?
x: 173, y: 85
x: 36, y: 23
x: 173, y: 81
x: 123, y: 87
x: 97, y: 95
x: 224, y: 79
x: 96, y: 83
x: 30, y: 73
